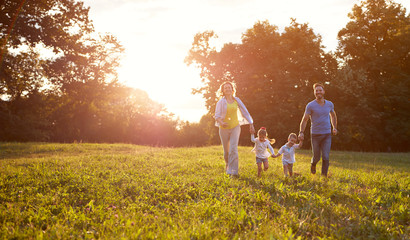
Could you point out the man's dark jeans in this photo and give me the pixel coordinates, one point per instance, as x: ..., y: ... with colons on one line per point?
x: 321, y: 147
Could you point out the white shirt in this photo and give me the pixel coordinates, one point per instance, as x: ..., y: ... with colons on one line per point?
x: 288, y: 153
x: 261, y: 148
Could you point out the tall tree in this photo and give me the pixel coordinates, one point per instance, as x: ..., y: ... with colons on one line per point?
x: 28, y: 29
x: 50, y: 24
x: 85, y: 79
x: 374, y: 47
x: 274, y: 72
x: 58, y: 80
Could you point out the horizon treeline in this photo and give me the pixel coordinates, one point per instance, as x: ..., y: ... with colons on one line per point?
x: 70, y: 91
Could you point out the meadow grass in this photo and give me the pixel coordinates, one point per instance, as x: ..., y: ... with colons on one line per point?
x: 114, y: 191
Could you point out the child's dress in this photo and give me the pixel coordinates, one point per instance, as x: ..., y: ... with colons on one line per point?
x: 288, y: 153
x: 261, y: 148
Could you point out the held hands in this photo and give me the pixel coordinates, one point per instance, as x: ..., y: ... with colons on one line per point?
x: 251, y: 129
x: 301, y: 136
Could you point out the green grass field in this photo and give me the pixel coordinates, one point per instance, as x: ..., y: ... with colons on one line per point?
x: 114, y: 191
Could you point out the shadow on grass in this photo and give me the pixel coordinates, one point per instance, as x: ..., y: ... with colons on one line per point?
x: 12, y: 150
x: 363, y: 160
x: 36, y: 149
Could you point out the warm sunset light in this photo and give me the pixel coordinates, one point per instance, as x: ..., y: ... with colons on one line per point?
x: 305, y: 133
x: 158, y: 34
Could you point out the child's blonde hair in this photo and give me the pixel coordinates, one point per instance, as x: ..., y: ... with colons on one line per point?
x: 262, y: 131
x: 293, y: 135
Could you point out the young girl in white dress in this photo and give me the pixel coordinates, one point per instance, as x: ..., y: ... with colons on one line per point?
x: 262, y: 143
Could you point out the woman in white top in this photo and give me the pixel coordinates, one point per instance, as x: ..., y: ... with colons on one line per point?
x: 230, y: 114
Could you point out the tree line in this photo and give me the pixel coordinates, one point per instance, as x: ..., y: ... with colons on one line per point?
x: 367, y: 77
x: 71, y: 92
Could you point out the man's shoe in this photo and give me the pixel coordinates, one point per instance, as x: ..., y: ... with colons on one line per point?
x: 313, y: 169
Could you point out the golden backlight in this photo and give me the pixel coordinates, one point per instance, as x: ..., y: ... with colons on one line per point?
x: 157, y: 36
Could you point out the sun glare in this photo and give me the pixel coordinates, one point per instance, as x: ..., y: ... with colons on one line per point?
x: 157, y: 36
x: 167, y: 81
x: 154, y: 56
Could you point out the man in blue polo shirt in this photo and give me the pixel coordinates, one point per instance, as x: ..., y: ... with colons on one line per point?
x: 322, y: 116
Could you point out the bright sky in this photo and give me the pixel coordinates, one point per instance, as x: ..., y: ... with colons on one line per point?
x: 157, y: 35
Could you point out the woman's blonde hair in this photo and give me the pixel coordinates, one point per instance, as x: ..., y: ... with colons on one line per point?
x: 262, y: 131
x: 220, y: 92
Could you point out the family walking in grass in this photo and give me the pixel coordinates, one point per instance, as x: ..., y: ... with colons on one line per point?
x: 231, y: 113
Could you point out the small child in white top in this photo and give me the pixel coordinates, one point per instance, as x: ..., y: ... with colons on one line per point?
x: 262, y: 143
x: 288, y: 151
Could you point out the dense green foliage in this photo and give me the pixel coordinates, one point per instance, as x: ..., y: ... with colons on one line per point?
x: 71, y: 91
x: 58, y: 81
x: 93, y: 191
x: 375, y: 83
x: 367, y: 78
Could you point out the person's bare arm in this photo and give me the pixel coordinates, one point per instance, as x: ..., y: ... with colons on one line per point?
x: 276, y: 155
x: 251, y: 128
x: 303, y: 124
x: 333, y: 120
